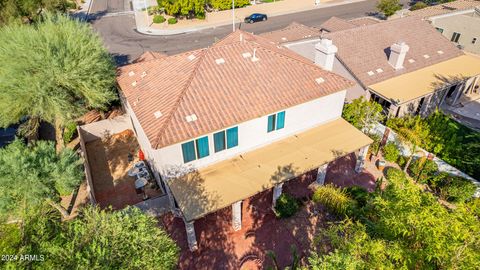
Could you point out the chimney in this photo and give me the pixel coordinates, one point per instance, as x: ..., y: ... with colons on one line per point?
x: 325, y: 54
x: 398, y: 51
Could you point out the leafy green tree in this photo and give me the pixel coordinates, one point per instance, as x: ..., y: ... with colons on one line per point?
x: 403, y: 227
x: 449, y: 140
x: 35, y: 174
x: 418, y: 5
x: 363, y: 114
x: 97, y: 239
x: 29, y: 11
x: 412, y: 136
x: 184, y: 8
x: 227, y: 4
x: 391, y: 152
x: 53, y: 71
x: 388, y: 7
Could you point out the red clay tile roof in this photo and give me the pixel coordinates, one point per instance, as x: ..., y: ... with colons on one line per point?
x: 444, y: 8
x: 220, y: 94
x: 293, y: 32
x: 147, y: 56
x: 365, y: 49
x: 336, y: 24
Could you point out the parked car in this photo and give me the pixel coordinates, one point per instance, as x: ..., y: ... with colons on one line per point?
x: 256, y: 17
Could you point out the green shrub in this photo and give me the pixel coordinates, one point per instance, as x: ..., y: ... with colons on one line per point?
x: 69, y: 131
x: 201, y: 16
x: 454, y: 188
x: 335, y: 199
x: 402, y: 161
x: 390, y: 152
x: 357, y: 193
x: 172, y: 20
x: 418, y: 5
x: 158, y: 19
x: 286, y: 206
x: 376, y: 143
x: 474, y: 206
x: 394, y: 173
x: 423, y: 169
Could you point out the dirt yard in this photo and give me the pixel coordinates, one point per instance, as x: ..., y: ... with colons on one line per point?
x: 110, y: 158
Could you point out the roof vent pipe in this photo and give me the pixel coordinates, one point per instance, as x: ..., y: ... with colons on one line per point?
x: 254, y: 57
x: 398, y: 51
x: 325, y: 54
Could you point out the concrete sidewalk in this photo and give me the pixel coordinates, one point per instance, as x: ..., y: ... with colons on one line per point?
x: 144, y: 23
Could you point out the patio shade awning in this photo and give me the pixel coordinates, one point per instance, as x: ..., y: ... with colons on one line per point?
x: 427, y: 80
x: 224, y: 183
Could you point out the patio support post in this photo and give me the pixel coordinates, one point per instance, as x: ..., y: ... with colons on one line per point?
x: 277, y: 191
x: 460, y: 90
x: 237, y: 216
x: 362, y: 156
x: 191, y: 237
x: 321, y: 173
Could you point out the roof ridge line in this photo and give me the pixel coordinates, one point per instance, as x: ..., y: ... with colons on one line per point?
x: 180, y: 96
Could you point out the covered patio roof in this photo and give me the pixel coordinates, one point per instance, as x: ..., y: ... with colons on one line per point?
x: 221, y: 184
x: 427, y: 80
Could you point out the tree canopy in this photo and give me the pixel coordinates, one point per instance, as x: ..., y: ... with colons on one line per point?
x: 363, y: 114
x: 451, y: 141
x: 35, y: 174
x: 403, y: 227
x: 388, y: 7
x: 53, y: 70
x: 97, y: 239
x: 12, y: 11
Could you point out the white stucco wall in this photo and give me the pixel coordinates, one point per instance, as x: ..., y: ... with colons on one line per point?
x: 252, y: 134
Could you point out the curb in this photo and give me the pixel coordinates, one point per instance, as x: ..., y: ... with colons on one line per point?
x: 165, y: 32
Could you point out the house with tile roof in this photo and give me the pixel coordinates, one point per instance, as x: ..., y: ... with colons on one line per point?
x: 404, y: 64
x: 459, y: 21
x: 221, y: 124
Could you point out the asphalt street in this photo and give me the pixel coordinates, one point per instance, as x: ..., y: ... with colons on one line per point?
x: 121, y: 39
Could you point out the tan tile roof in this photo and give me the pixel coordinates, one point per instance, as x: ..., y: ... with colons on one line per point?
x: 364, y: 21
x: 336, y: 24
x: 220, y: 94
x: 444, y: 8
x: 429, y: 79
x: 147, y: 56
x: 293, y: 32
x: 365, y: 49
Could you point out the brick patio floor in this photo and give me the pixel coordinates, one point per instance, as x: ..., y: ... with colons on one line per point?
x: 219, y: 247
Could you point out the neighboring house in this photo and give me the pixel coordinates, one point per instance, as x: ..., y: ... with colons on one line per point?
x: 459, y: 21
x: 403, y: 64
x: 221, y: 124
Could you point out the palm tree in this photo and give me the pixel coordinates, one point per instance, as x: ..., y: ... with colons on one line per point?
x: 412, y: 137
x: 53, y: 71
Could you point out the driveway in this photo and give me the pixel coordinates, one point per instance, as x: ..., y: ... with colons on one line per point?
x: 122, y: 40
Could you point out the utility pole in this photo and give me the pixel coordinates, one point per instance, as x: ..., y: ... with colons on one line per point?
x: 233, y: 15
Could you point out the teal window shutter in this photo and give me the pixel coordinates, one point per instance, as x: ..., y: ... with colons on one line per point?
x: 271, y: 123
x: 188, y: 150
x: 232, y: 137
x: 219, y: 141
x: 280, y: 120
x: 202, y: 147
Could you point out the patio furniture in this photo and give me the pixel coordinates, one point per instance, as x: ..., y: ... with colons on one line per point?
x: 140, y: 184
x: 381, y: 164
